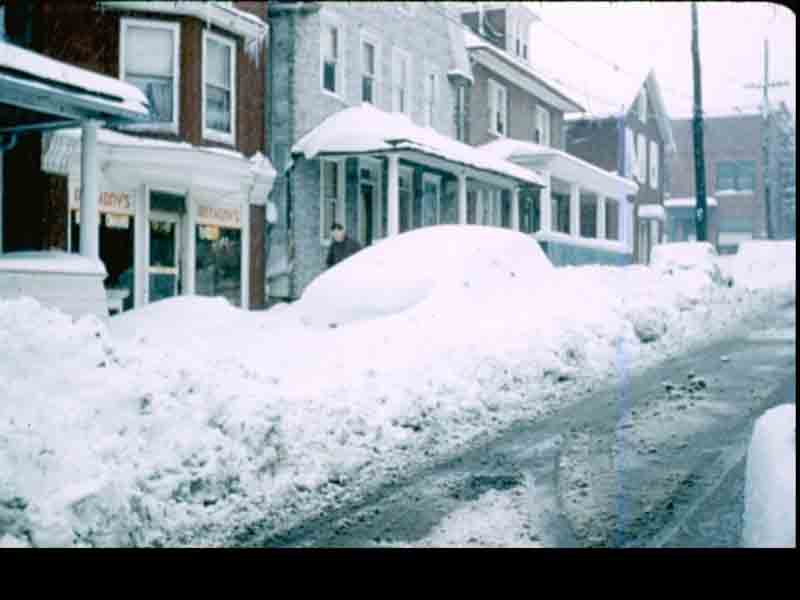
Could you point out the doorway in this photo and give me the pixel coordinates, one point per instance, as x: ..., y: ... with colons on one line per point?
x: 163, y: 270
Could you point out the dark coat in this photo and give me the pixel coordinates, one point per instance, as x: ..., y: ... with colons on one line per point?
x: 338, y: 251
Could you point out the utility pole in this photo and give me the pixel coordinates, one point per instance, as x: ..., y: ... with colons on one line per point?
x: 766, y: 115
x: 697, y: 130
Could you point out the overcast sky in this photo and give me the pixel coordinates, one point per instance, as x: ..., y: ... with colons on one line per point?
x: 640, y: 35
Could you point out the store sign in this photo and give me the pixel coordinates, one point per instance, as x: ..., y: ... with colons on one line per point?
x: 109, y: 202
x: 223, y: 217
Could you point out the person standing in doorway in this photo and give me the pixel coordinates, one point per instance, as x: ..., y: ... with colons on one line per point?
x: 341, y: 247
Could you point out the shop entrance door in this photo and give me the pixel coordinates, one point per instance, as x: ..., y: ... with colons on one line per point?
x: 163, y: 272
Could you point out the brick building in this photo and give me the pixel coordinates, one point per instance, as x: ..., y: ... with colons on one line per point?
x: 181, y: 198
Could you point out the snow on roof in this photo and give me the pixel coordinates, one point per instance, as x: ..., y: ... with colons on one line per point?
x: 459, y: 59
x: 474, y: 42
x: 50, y: 261
x: 511, y: 149
x: 652, y: 211
x: 39, y: 67
x: 689, y: 202
x: 361, y: 129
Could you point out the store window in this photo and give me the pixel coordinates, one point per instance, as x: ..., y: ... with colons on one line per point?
x: 529, y: 210
x: 560, y: 212
x: 612, y: 219
x: 219, y: 262
x: 406, y: 200
x: 588, y: 216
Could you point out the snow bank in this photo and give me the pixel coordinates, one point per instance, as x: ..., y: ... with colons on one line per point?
x: 761, y: 264
x: 184, y: 421
x: 770, y: 492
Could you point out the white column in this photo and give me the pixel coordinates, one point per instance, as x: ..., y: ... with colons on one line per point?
x: 90, y: 218
x: 245, y: 254
x: 393, y: 201
x: 546, y: 206
x: 601, y: 217
x: 515, y: 208
x: 141, y: 245
x: 462, y: 198
x: 190, y: 245
x: 574, y: 210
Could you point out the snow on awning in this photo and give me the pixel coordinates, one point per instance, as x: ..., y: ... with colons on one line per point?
x: 36, y: 77
x: 652, y: 211
x: 562, y: 165
x: 366, y: 129
x: 690, y: 202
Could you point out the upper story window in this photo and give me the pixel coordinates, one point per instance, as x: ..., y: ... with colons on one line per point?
x: 642, y: 105
x: 542, y: 133
x: 736, y: 175
x: 370, y: 59
x: 219, y: 88
x: 332, y: 67
x: 641, y: 156
x: 401, y: 79
x: 149, y: 60
x: 520, y: 39
x: 654, y: 165
x: 431, y: 97
x: 498, y: 107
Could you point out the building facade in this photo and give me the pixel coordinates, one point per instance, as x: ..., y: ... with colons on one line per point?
x: 181, y: 199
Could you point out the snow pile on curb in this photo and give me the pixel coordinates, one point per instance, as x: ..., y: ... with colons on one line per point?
x: 187, y: 421
x: 761, y: 264
x: 770, y: 492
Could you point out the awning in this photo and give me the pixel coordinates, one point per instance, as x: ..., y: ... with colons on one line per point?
x: 37, y: 92
x: 129, y: 160
x: 563, y: 166
x: 367, y: 130
x: 690, y: 202
x: 652, y: 211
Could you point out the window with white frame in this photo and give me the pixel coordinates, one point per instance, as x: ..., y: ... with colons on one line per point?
x: 401, y: 81
x: 219, y: 87
x: 370, y: 59
x: 431, y: 199
x: 542, y: 133
x: 653, y: 165
x: 332, y: 65
x: 332, y: 196
x: 498, y: 107
x: 643, y: 105
x: 641, y: 157
x: 431, y: 93
x: 406, y: 199
x: 149, y: 60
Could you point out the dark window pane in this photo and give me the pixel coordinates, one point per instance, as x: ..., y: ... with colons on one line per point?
x: 159, y: 93
x: 329, y: 76
x: 219, y: 263
x: 162, y: 244
x: 588, y: 217
x: 612, y: 220
x: 366, y: 89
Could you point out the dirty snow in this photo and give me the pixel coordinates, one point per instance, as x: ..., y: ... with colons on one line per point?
x: 770, y: 489
x: 183, y: 422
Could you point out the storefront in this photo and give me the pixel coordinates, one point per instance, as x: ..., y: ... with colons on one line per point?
x: 174, y: 219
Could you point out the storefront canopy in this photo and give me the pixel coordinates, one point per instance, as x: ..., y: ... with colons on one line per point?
x: 562, y: 165
x: 37, y: 92
x: 367, y: 130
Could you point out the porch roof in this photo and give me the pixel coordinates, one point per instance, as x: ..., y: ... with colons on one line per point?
x: 366, y: 129
x: 37, y: 92
x: 689, y: 202
x: 562, y: 165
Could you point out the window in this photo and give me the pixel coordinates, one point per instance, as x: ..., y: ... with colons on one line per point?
x: 631, y: 163
x: 642, y: 105
x: 219, y: 88
x: 644, y: 247
x: 149, y: 60
x: 588, y: 208
x: 641, y: 157
x: 431, y: 93
x: 332, y: 191
x: 431, y: 196
x: 542, y: 132
x: 331, y: 60
x: 529, y: 210
x: 401, y: 78
x: 370, y: 59
x: 736, y: 176
x: 406, y: 200
x: 612, y: 219
x: 560, y: 211
x: 654, y: 165
x: 498, y: 107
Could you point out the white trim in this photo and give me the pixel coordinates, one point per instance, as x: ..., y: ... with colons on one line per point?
x: 495, y: 87
x: 329, y: 21
x: 213, y: 134
x: 399, y: 54
x: 631, y: 162
x: 175, y: 28
x: 339, y: 209
x: 652, y: 211
x: 641, y: 105
x: 431, y: 96
x: 370, y: 38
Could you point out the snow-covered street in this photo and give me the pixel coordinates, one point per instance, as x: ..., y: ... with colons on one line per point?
x: 189, y: 422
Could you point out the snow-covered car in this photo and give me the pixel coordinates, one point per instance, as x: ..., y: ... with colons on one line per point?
x: 675, y: 257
